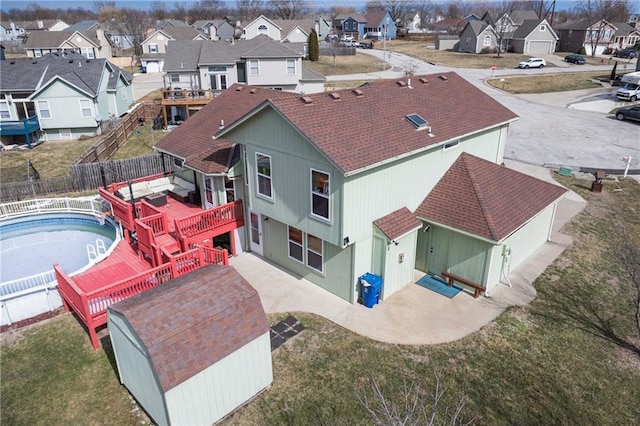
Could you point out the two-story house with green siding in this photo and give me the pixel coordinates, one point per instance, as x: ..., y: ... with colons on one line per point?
x: 66, y: 94
x: 335, y: 186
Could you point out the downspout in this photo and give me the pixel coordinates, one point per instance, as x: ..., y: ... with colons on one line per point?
x: 246, y: 197
x: 506, y: 252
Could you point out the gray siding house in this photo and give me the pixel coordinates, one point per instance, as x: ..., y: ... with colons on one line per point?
x: 194, y: 349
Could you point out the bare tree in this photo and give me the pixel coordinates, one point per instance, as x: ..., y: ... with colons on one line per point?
x: 411, y: 407
x: 597, y: 14
x: 288, y: 9
x: 627, y: 251
x: 205, y: 9
x: 396, y: 8
x: 250, y: 9
x: 101, y: 4
x: 133, y: 25
x: 158, y: 10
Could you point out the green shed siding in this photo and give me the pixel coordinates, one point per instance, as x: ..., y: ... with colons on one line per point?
x: 405, y: 183
x: 530, y: 237
x: 292, y: 159
x: 136, y: 368
x: 337, y: 262
x: 398, y: 273
x: 219, y: 389
x: 494, y: 270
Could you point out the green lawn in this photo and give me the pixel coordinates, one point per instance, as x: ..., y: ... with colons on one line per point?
x: 570, y: 357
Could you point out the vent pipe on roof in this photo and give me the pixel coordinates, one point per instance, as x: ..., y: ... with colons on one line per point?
x: 307, y: 100
x: 252, y: 91
x: 443, y: 78
x: 221, y: 125
x: 409, y: 83
x: 424, y: 80
x: 357, y: 92
x: 401, y: 83
x: 335, y: 96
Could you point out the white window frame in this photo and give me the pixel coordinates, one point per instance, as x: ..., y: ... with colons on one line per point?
x: 88, y: 107
x: 253, y: 68
x: 174, y: 77
x: 486, y: 41
x: 40, y: 109
x: 310, y: 250
x: 299, y: 244
x: 263, y: 29
x: 88, y: 52
x: 65, y: 134
x: 5, y: 111
x: 291, y: 63
x: 263, y: 176
x: 37, y: 53
x: 325, y: 194
x: 153, y: 47
x: 543, y: 27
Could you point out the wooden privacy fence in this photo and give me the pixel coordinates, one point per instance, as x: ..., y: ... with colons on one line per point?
x: 109, y: 144
x: 16, y: 191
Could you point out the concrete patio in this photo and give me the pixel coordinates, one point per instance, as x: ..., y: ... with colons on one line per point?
x: 414, y: 315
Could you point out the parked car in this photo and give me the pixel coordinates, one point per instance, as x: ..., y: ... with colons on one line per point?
x: 607, y: 51
x: 625, y: 53
x: 331, y: 38
x: 350, y: 43
x: 575, y: 59
x: 628, y: 113
x: 533, y: 63
x: 366, y: 45
x: 347, y: 38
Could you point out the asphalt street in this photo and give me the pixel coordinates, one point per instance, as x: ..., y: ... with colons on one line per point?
x: 571, y: 129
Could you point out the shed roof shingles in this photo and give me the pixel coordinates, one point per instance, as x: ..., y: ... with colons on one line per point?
x: 193, y: 321
x: 398, y: 223
x: 484, y: 199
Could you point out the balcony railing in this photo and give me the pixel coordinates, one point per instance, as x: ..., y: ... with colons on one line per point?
x: 176, y: 95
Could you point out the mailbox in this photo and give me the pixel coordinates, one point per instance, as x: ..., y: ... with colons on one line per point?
x: 596, y: 185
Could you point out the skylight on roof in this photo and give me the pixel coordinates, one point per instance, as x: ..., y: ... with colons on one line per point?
x: 418, y: 121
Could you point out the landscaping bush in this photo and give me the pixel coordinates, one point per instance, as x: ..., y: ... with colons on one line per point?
x: 582, y: 51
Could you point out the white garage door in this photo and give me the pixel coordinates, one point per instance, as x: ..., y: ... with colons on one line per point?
x: 540, y: 47
x: 153, y: 66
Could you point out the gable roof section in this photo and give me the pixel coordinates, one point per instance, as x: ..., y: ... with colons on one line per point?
x: 288, y: 25
x: 477, y: 27
x: 184, y: 33
x: 193, y: 141
x: 310, y: 75
x: 182, y: 55
x: 519, y: 16
x: 484, y: 199
x: 193, y: 321
x: 529, y: 26
x: 85, y: 25
x: 374, y: 18
x: 398, y: 223
x: 377, y: 135
x: 262, y: 17
x: 344, y: 16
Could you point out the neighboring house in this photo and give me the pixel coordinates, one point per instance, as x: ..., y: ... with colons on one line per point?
x: 91, y: 44
x: 86, y: 25
x: 10, y: 32
x: 597, y: 37
x: 414, y: 188
x: 323, y: 26
x: 447, y: 42
x: 65, y: 94
x: 262, y: 26
x: 452, y: 26
x: 413, y: 22
x: 208, y: 27
x: 193, y: 349
x: 170, y: 23
x: 350, y: 25
x: 154, y: 47
x: 380, y: 26
x: 478, y: 37
x: 225, y: 29
x: 42, y: 25
x: 296, y: 30
x: 534, y: 37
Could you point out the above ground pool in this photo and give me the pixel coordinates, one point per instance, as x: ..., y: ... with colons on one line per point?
x: 31, y: 245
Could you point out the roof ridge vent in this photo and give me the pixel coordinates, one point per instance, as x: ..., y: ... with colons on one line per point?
x: 443, y: 77
x: 306, y: 100
x: 335, y: 96
x: 423, y: 80
x: 253, y: 91
x: 357, y: 92
x: 401, y: 83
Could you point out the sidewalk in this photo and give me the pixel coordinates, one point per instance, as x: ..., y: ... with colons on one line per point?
x: 413, y: 315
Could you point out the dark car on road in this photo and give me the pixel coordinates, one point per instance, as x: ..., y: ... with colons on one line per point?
x: 628, y: 113
x: 575, y: 59
x: 625, y: 53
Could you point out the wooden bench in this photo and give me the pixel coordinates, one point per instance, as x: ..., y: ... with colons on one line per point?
x: 477, y: 288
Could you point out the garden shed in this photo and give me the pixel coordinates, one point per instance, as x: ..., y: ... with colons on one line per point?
x: 194, y: 349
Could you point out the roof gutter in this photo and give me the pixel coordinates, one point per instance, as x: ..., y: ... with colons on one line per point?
x: 427, y: 148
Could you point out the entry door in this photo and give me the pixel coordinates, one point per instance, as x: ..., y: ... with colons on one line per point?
x: 218, y: 81
x: 438, y: 257
x: 256, y: 233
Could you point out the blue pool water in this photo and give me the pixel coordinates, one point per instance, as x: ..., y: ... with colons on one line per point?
x: 31, y: 245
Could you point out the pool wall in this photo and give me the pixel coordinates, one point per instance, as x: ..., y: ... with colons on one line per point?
x: 33, y: 295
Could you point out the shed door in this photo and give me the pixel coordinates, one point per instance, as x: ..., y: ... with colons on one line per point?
x: 438, y: 255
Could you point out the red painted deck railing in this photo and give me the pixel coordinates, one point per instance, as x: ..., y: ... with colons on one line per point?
x: 153, y: 237
x: 91, y: 307
x: 122, y: 210
x: 216, y: 217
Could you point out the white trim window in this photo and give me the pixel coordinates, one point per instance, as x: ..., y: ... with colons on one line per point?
x: 37, y: 53
x: 43, y: 109
x: 263, y: 174
x: 543, y: 27
x: 88, y: 52
x: 5, y: 112
x: 315, y: 258
x: 153, y: 48
x: 65, y: 134
x: 254, y: 67
x: 320, y: 194
x: 291, y: 67
x: 262, y: 29
x: 175, y: 78
x: 296, y: 248
x: 86, y: 109
x: 486, y: 41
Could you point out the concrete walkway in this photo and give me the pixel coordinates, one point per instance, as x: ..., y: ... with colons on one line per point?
x: 414, y: 315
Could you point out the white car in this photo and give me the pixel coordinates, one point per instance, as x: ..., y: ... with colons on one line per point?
x: 533, y: 63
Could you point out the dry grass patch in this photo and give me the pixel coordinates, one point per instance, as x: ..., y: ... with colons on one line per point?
x: 546, y: 83
x: 427, y: 53
x: 360, y: 63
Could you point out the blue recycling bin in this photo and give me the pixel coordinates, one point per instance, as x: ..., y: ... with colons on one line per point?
x: 370, y: 288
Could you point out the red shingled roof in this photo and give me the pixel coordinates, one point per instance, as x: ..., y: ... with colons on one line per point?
x: 482, y: 198
x: 396, y: 224
x: 193, y: 321
x: 357, y: 131
x: 193, y: 141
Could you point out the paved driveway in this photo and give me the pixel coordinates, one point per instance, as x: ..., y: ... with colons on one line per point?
x: 571, y: 128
